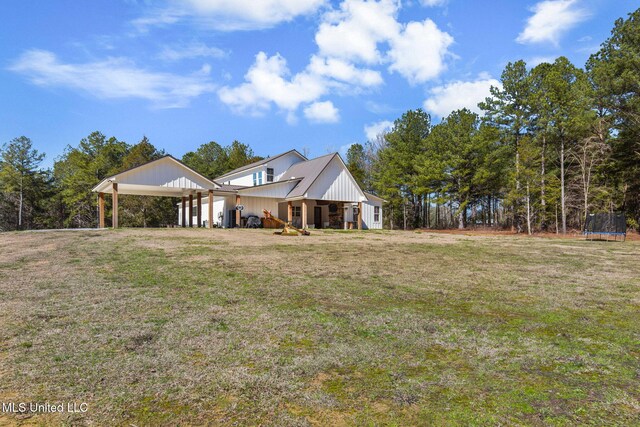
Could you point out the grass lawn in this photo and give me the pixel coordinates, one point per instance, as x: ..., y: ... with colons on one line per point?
x: 240, y: 327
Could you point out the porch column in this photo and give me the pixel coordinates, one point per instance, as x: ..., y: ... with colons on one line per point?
x: 359, y: 215
x: 344, y: 217
x: 184, y: 211
x: 114, y: 196
x: 190, y: 210
x: 199, y: 209
x: 304, y: 214
x: 289, y: 212
x: 100, y: 210
x: 238, y: 213
x: 210, y: 223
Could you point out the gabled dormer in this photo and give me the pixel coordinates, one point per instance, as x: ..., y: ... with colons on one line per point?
x: 263, y: 171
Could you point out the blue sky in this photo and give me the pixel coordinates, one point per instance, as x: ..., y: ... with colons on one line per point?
x: 313, y: 75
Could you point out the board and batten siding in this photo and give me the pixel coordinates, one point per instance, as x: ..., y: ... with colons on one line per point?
x: 279, y: 165
x: 252, y: 206
x: 335, y: 184
x: 255, y: 205
x: 219, y: 205
x: 277, y: 190
x: 171, y: 175
x: 368, y: 208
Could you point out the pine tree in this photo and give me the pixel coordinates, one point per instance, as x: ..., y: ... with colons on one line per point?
x: 356, y: 163
x: 18, y: 172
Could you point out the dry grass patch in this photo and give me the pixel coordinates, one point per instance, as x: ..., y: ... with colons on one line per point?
x: 241, y: 327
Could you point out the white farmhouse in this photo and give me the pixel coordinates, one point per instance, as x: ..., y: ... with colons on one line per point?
x: 316, y: 193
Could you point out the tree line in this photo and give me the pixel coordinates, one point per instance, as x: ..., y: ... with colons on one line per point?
x: 61, y: 197
x: 554, y: 143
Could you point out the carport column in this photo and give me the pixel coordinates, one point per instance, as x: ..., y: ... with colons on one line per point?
x: 359, y: 215
x: 190, y: 210
x: 100, y: 210
x: 184, y: 211
x: 289, y: 212
x: 238, y: 213
x: 199, y: 209
x: 210, y: 223
x: 304, y: 213
x: 114, y: 196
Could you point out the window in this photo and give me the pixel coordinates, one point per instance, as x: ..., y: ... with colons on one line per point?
x: 257, y: 178
x: 194, y: 211
x: 376, y: 214
x: 269, y: 174
x: 297, y: 211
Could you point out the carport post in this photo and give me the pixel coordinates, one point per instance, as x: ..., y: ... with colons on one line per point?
x: 210, y: 223
x: 114, y: 196
x: 190, y: 210
x: 304, y: 214
x: 289, y: 211
x: 359, y: 215
x: 238, y: 213
x: 100, y: 210
x: 184, y: 211
x: 199, y: 209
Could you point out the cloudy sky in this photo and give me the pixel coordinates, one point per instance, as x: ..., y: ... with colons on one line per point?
x: 276, y: 74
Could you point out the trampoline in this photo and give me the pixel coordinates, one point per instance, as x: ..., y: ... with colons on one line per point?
x: 606, y: 226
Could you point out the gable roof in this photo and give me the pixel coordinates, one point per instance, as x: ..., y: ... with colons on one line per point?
x: 259, y: 163
x: 373, y: 196
x: 308, y: 171
x: 204, y: 182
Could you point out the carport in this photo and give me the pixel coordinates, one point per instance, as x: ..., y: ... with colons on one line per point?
x: 166, y: 177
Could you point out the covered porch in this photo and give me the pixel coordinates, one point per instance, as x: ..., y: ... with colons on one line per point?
x: 321, y: 214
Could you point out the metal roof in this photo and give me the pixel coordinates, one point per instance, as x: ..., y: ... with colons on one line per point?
x: 308, y: 171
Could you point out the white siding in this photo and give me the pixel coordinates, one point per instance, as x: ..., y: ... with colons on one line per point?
x: 246, y: 179
x: 271, y: 190
x: 252, y: 206
x: 279, y: 165
x: 164, y: 173
x: 255, y: 205
x: 335, y: 183
x: 368, y: 208
x: 219, y: 205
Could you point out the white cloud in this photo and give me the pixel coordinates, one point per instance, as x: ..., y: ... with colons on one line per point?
x: 459, y: 94
x: 113, y: 78
x: 267, y: 82
x: 353, y: 32
x: 343, y: 71
x: 322, y: 112
x: 537, y: 60
x: 418, y: 52
x: 189, y: 51
x: 372, y: 130
x: 431, y: 3
x: 352, y: 40
x: 230, y: 15
x: 357, y: 31
x: 550, y: 20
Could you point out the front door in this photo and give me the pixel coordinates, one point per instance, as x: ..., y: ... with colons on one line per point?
x: 317, y: 216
